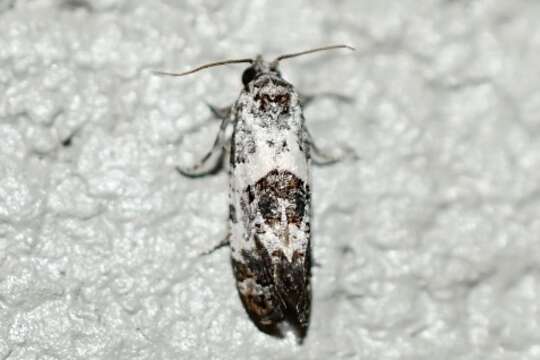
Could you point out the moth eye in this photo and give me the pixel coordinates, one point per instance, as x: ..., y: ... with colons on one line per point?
x: 248, y: 75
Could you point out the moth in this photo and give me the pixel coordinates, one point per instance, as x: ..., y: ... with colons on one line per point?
x: 270, y: 155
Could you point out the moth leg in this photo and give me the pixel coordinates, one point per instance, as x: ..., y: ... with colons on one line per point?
x: 212, y: 162
x: 204, y: 167
x: 323, y: 158
x: 223, y: 243
x: 320, y: 157
x: 307, y: 99
x: 220, y: 113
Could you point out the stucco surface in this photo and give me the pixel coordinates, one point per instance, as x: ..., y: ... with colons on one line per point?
x: 428, y: 246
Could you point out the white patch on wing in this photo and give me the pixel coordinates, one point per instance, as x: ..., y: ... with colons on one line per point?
x: 275, y: 145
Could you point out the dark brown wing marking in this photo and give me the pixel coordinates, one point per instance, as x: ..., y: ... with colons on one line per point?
x: 272, y: 287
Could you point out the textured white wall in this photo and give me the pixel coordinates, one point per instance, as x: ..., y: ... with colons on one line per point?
x: 429, y: 246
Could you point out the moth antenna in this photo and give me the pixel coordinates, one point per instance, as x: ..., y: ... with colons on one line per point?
x: 288, y: 56
x: 205, y: 66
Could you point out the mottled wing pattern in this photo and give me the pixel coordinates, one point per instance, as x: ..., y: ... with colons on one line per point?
x: 270, y: 208
x: 274, y: 281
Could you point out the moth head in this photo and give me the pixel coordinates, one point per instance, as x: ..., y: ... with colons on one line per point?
x: 257, y: 68
x: 258, y: 65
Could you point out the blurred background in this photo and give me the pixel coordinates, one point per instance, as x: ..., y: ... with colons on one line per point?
x: 428, y: 245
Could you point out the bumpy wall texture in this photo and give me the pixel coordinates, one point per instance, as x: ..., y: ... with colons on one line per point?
x: 428, y: 246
